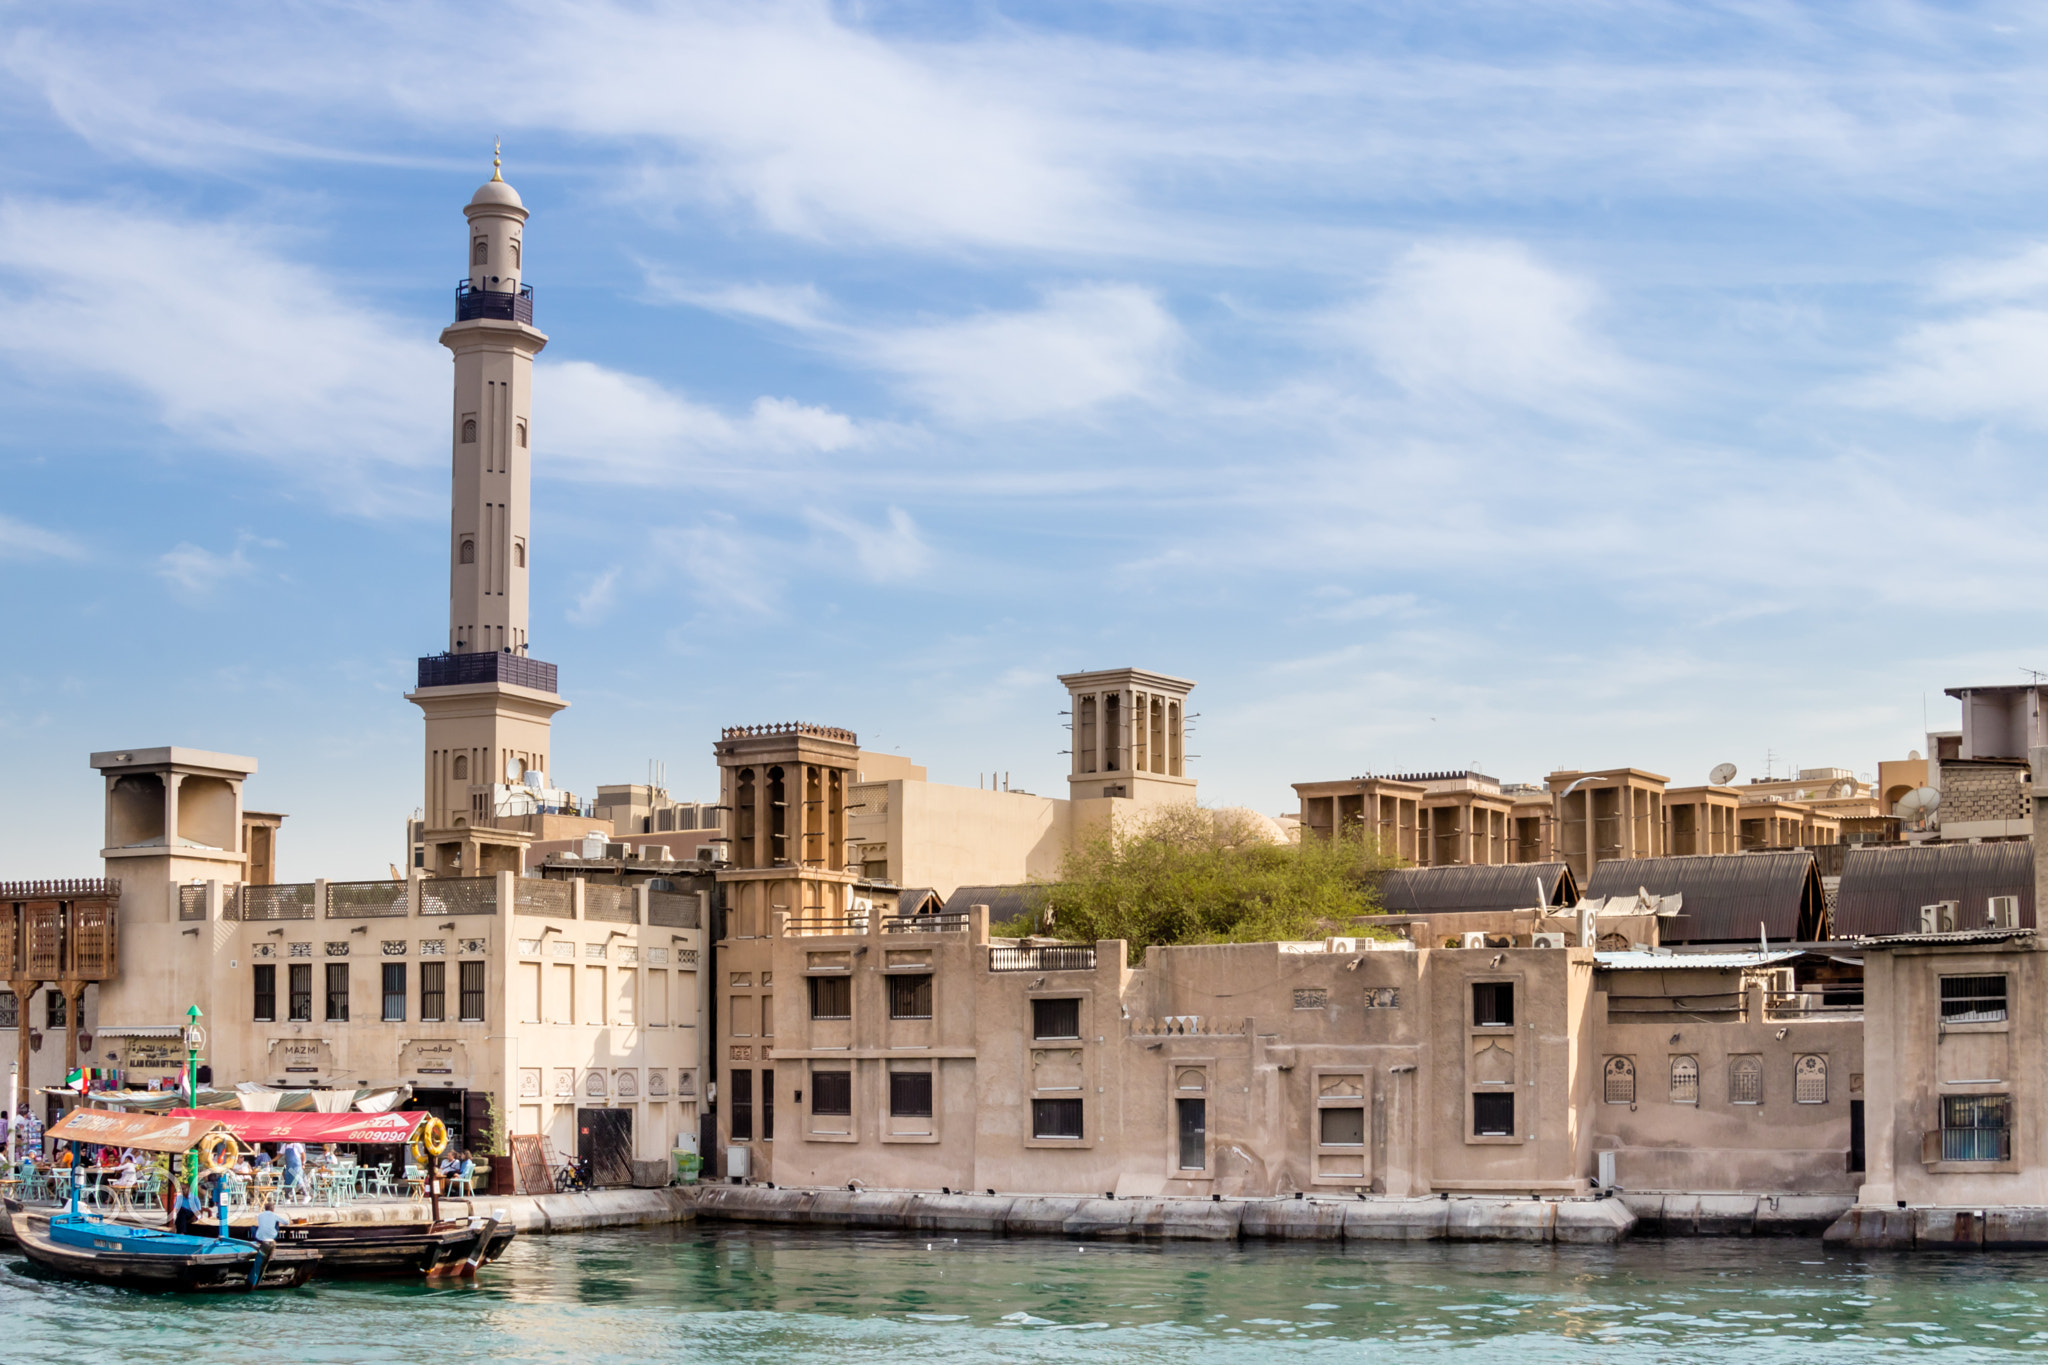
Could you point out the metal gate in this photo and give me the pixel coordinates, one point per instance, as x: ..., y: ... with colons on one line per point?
x: 604, y: 1145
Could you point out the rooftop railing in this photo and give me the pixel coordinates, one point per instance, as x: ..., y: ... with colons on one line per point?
x: 368, y: 900
x: 459, y: 896
x: 280, y: 900
x: 831, y: 926
x: 925, y: 924
x: 1058, y: 959
x: 457, y: 670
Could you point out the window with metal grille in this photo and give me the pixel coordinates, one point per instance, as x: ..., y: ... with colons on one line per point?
x: 1972, y: 999
x: 1493, y: 1114
x: 910, y: 1094
x: 1976, y: 1128
x: 265, y: 1003
x: 1810, y: 1080
x: 337, y: 992
x: 1193, y: 1119
x: 832, y: 1092
x: 741, y: 1085
x: 433, y: 992
x: 1745, y: 1080
x: 394, y: 992
x: 1493, y: 1004
x: 910, y: 997
x: 1056, y: 1018
x: 302, y: 992
x: 831, y: 997
x: 472, y: 992
x: 1056, y: 1119
x: 10, y: 1010
x: 1685, y: 1080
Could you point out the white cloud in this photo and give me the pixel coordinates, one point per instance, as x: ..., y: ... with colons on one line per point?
x: 196, y: 573
x: 1490, y: 320
x: 20, y: 540
x: 887, y: 554
x: 1087, y: 345
x: 1985, y: 360
x: 594, y: 603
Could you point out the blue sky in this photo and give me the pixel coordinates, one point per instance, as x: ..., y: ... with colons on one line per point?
x: 1518, y: 385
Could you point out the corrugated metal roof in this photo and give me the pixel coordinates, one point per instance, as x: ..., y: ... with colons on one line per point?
x: 1729, y: 897
x: 1883, y: 887
x: 1965, y: 936
x: 918, y: 900
x: 1507, y: 886
x: 1670, y: 962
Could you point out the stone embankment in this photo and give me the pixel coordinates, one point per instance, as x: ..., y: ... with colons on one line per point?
x: 1941, y: 1229
x: 1585, y: 1221
x: 1734, y: 1215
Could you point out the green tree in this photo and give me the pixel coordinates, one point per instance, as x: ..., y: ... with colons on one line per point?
x: 1187, y: 875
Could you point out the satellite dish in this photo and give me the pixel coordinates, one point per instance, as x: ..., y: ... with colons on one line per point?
x: 1912, y: 755
x: 1917, y: 807
x: 1722, y: 775
x: 1845, y: 787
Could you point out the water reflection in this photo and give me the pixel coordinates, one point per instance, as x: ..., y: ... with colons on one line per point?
x: 706, y: 1294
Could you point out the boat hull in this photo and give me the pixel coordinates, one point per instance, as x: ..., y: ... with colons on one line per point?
x: 108, y: 1261
x: 399, y: 1249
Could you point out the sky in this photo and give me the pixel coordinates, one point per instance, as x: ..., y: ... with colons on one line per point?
x: 1518, y: 386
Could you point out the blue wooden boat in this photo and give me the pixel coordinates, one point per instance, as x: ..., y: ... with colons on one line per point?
x: 82, y: 1246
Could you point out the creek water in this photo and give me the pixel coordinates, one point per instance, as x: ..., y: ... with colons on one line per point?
x: 715, y: 1294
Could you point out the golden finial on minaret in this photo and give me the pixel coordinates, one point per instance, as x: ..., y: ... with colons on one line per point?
x: 497, y: 161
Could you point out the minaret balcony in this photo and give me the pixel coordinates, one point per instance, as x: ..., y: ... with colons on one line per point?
x: 472, y: 303
x: 458, y: 670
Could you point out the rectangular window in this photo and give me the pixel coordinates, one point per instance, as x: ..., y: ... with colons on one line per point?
x: 831, y: 997
x: 742, y: 1087
x: 53, y: 1009
x: 472, y: 992
x: 1193, y: 1122
x: 910, y: 1093
x: 394, y: 992
x: 1056, y: 1119
x: 767, y: 1105
x: 832, y: 1092
x: 1493, y: 1114
x: 1056, y: 1018
x: 302, y: 992
x: 266, y: 993
x: 1493, y: 1004
x: 1976, y: 1127
x: 10, y: 1010
x: 910, y: 997
x: 434, y: 992
x: 1972, y: 999
x: 337, y: 992
x: 1343, y: 1128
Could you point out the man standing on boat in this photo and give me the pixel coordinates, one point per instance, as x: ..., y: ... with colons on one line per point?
x: 185, y: 1209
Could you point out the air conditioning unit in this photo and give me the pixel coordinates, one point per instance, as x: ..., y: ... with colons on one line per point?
x: 1340, y: 945
x: 1939, y: 918
x: 709, y: 853
x: 2004, y: 912
x: 654, y: 853
x: 617, y: 851
x: 1546, y: 940
x: 738, y: 1162
x: 1472, y: 941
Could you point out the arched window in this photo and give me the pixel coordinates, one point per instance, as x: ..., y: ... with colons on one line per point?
x: 1620, y: 1075
x: 462, y: 767
x: 469, y: 431
x: 468, y: 555
x: 1745, y: 1080
x: 1810, y: 1080
x: 519, y: 556
x: 1685, y: 1080
x: 522, y: 435
x: 480, y: 252
x: 515, y: 253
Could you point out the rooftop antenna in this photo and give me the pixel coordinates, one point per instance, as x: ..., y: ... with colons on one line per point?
x: 2036, y: 674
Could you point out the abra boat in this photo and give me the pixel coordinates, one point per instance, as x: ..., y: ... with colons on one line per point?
x: 80, y: 1246
x: 449, y: 1247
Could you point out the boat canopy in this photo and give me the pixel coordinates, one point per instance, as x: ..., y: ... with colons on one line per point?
x: 148, y: 1132
x: 394, y: 1127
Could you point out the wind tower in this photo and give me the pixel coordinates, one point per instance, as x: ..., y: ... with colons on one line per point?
x: 1129, y: 736
x: 488, y: 702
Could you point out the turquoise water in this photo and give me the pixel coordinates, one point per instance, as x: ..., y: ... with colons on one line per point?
x: 735, y: 1294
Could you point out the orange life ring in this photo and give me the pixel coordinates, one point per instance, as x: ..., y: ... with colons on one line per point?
x: 219, y: 1152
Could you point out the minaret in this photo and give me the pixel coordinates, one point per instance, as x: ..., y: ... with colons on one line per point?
x: 487, y: 701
